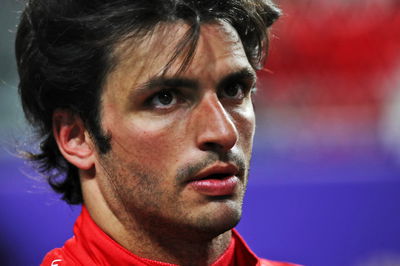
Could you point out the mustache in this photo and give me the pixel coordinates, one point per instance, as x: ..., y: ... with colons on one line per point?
x: 191, y: 169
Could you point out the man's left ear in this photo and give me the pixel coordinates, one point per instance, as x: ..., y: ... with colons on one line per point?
x: 73, y: 140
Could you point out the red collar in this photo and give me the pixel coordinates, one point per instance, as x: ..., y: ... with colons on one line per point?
x: 90, y: 245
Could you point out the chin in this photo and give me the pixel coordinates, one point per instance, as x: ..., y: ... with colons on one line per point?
x: 218, y: 220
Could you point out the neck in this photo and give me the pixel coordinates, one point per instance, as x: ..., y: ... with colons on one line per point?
x: 151, y: 239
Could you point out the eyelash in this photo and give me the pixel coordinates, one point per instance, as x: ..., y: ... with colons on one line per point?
x: 245, y: 87
x: 175, y: 94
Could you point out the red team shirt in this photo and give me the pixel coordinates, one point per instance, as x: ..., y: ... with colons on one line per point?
x: 91, y: 246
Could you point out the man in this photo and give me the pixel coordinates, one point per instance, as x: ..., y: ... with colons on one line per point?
x: 145, y: 113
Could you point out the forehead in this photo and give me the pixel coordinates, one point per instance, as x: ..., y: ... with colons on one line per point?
x: 143, y: 58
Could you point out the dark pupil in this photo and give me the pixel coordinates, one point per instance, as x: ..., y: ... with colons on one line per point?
x: 232, y: 90
x: 165, y: 97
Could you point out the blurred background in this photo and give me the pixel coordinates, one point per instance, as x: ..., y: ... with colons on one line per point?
x: 325, y: 179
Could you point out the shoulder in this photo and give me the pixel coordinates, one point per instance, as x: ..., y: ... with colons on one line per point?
x: 264, y: 262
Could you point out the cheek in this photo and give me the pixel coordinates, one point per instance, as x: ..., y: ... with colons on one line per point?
x: 245, y: 124
x: 151, y: 141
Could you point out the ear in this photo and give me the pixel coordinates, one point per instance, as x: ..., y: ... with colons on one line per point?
x: 73, y: 139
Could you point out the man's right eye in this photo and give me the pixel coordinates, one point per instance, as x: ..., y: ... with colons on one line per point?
x: 163, y: 99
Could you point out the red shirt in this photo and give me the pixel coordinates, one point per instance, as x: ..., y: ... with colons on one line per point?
x: 91, y: 246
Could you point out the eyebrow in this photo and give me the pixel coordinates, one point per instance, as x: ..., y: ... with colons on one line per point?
x: 173, y: 82
x: 245, y: 74
x: 154, y: 83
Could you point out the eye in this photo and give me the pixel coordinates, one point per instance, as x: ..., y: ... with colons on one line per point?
x: 235, y: 91
x: 164, y: 99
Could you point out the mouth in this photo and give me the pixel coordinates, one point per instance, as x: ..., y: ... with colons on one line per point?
x: 217, y: 180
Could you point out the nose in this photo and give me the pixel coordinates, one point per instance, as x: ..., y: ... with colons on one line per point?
x: 215, y: 129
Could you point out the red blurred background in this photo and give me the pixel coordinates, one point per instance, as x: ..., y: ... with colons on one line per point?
x: 333, y: 70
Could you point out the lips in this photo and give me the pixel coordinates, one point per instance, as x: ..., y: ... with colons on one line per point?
x: 217, y: 180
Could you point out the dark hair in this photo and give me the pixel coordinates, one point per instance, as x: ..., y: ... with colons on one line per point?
x: 64, y: 50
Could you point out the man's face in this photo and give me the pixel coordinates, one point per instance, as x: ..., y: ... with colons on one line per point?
x: 181, y: 142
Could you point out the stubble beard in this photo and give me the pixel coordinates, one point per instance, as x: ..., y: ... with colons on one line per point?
x: 142, y: 204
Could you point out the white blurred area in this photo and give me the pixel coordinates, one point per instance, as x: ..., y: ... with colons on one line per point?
x: 13, y: 127
x: 390, y: 119
x: 380, y: 259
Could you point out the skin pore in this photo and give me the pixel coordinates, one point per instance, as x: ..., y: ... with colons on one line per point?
x: 165, y: 129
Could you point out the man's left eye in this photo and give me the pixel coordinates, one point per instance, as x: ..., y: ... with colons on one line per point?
x: 234, y: 91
